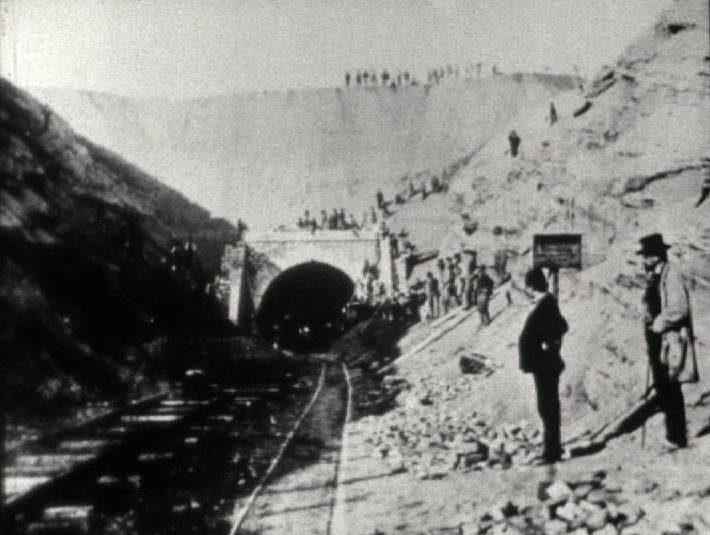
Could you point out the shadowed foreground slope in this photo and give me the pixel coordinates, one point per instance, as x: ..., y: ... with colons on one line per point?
x: 86, y: 270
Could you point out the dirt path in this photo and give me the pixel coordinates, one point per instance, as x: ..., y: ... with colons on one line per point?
x: 300, y: 496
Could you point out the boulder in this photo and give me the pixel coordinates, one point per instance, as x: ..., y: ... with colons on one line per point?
x: 625, y: 514
x: 580, y: 491
x: 609, y: 529
x: 555, y: 527
x: 597, y: 519
x: 558, y: 492
x: 572, y: 513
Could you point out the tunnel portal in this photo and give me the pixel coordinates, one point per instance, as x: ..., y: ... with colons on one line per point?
x: 302, y: 307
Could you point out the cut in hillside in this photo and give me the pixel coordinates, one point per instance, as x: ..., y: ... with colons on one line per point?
x: 265, y: 157
x: 88, y: 276
x: 633, y: 163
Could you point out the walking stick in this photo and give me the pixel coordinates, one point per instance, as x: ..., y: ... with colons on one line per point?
x: 645, y: 395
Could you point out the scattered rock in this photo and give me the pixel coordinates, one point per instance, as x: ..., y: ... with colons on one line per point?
x: 597, y: 519
x: 558, y: 492
x: 644, y: 486
x: 606, y: 530
x: 555, y: 527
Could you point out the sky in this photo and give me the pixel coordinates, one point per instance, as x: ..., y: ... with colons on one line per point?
x: 188, y: 48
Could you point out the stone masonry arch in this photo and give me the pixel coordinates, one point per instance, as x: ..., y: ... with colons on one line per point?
x: 253, y: 265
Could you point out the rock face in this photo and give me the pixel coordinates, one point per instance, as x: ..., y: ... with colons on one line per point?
x: 87, y: 270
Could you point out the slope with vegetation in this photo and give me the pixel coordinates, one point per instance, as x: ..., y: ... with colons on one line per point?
x: 88, y: 278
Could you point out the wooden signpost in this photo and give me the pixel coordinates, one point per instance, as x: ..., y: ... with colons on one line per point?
x: 556, y: 251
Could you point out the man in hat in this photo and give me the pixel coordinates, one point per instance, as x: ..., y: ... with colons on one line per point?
x: 669, y: 335
x: 539, y: 346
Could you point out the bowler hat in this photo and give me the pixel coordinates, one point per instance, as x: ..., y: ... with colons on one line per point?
x: 536, y: 280
x: 652, y: 245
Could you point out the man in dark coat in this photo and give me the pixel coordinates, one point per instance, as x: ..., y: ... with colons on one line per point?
x: 539, y: 347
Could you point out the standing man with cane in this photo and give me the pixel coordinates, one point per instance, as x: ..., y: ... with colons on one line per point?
x: 669, y: 336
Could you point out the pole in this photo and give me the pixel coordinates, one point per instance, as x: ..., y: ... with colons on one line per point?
x: 555, y: 279
x: 645, y: 395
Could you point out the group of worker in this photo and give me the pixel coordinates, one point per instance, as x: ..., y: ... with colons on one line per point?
x: 458, y: 284
x: 435, y: 75
x: 370, y: 78
x: 436, y: 185
x: 448, y: 72
x: 336, y: 220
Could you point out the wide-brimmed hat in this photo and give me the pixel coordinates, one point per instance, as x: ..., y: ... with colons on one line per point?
x: 652, y: 245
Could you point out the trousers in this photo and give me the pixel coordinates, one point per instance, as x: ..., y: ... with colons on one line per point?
x: 670, y: 395
x: 433, y: 304
x: 547, y: 383
x: 482, y: 305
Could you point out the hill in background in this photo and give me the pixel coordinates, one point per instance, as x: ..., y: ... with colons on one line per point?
x: 265, y: 157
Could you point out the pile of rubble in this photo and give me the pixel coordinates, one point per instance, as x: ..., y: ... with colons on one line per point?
x: 581, y: 507
x: 430, y: 444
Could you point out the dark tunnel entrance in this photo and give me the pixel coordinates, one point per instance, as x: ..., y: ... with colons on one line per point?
x: 302, y: 307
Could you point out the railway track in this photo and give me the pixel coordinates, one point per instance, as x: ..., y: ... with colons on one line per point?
x: 303, y: 492
x: 173, y: 463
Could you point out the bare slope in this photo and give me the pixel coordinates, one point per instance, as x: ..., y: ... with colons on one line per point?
x: 265, y: 157
x: 634, y: 163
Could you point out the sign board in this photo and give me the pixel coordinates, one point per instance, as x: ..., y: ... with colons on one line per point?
x: 557, y: 250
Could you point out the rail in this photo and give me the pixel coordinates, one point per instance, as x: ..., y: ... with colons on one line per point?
x: 242, y: 513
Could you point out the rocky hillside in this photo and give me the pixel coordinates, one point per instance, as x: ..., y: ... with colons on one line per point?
x: 627, y: 157
x: 265, y: 157
x: 631, y: 162
x: 88, y: 276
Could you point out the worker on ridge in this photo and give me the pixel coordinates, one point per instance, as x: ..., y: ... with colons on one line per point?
x: 514, y: 141
x: 669, y: 336
x: 553, y: 114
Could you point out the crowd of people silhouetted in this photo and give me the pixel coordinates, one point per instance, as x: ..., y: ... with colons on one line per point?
x: 335, y: 220
x: 404, y: 78
x: 371, y: 78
